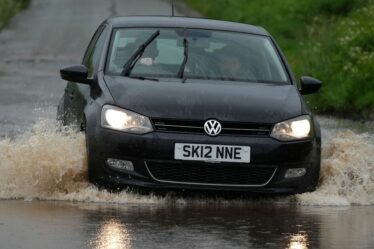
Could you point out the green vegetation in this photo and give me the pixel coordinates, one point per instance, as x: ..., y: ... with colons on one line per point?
x: 8, y: 8
x: 332, y: 40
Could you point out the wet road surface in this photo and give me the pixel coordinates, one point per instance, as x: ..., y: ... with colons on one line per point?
x: 54, y: 33
x: 36, y: 225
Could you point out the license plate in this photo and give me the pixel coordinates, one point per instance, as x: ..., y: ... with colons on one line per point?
x: 212, y: 153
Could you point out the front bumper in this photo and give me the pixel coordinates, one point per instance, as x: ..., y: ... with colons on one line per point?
x: 159, y: 147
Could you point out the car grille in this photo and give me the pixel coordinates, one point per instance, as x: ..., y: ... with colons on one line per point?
x: 210, y: 174
x: 228, y: 128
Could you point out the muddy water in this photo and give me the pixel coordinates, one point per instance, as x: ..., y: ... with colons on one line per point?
x: 48, y: 163
x: 257, y: 225
x: 44, y: 169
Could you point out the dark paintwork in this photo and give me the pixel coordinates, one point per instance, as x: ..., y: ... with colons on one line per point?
x: 309, y: 85
x: 169, y: 98
x: 77, y: 73
x: 210, y: 99
x: 185, y: 22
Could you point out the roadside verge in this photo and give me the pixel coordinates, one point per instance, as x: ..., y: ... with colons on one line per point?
x: 9, y: 8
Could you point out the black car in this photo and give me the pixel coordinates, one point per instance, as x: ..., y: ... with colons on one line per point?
x: 188, y: 103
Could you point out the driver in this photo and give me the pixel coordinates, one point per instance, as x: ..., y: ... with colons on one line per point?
x: 232, y: 64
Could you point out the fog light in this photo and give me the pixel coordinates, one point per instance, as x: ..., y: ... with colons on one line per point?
x: 297, y: 172
x: 120, y: 165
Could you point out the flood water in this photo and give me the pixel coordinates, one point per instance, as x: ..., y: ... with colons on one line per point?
x: 49, y: 163
x: 251, y: 225
x: 48, y: 203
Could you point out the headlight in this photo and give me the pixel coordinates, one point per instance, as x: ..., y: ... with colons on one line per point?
x: 123, y: 120
x: 293, y: 129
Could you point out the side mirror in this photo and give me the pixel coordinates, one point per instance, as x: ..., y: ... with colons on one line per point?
x: 309, y: 85
x: 75, y: 73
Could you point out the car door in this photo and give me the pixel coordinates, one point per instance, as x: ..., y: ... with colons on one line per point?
x: 76, y: 94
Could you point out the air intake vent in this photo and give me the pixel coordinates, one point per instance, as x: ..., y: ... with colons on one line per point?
x: 210, y: 174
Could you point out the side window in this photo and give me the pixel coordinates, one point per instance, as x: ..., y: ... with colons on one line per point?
x: 92, y: 56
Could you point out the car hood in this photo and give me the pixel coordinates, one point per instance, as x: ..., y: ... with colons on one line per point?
x: 202, y: 100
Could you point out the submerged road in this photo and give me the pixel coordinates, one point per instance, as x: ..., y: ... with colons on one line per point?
x: 54, y: 33
x: 35, y: 225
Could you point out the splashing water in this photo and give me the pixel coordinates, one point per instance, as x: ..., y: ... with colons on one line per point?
x: 347, y: 172
x: 49, y: 164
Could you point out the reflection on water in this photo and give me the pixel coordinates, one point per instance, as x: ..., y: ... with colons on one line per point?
x: 298, y: 241
x: 256, y: 226
x: 113, y: 235
x: 35, y: 225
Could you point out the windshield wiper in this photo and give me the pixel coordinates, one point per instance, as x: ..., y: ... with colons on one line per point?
x: 183, y: 65
x: 127, y: 68
x: 143, y: 78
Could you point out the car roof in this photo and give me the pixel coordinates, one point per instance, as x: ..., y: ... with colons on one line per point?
x: 183, y: 22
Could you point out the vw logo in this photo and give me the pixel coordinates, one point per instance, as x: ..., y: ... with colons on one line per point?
x: 212, y: 127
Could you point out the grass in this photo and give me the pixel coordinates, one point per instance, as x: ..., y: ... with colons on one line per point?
x: 332, y: 40
x: 8, y: 8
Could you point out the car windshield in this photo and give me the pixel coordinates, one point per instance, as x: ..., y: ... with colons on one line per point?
x: 212, y: 55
